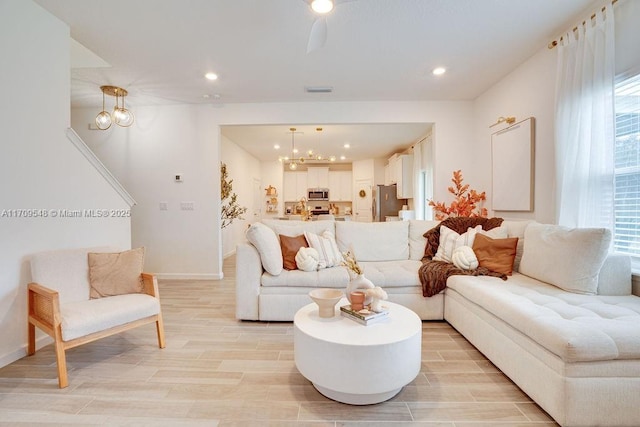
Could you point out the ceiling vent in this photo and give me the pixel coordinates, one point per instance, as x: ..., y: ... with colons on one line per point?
x: 318, y: 89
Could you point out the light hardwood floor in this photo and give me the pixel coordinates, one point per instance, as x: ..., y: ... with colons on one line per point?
x: 217, y: 371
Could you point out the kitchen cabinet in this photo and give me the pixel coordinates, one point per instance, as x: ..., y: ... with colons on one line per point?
x: 404, y: 176
x: 399, y: 171
x: 391, y: 177
x: 318, y: 177
x: 340, y: 186
x: 294, y: 186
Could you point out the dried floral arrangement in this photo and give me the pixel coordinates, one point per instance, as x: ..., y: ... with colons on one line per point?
x: 467, y: 202
x: 351, y: 263
x: 230, y: 209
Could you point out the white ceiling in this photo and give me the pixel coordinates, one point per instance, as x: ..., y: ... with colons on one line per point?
x: 376, y: 50
x: 366, y: 140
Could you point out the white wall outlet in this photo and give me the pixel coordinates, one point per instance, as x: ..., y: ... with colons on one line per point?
x: 187, y: 206
x: 178, y: 177
x: 164, y: 206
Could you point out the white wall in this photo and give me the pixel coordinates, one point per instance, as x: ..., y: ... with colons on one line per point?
x: 165, y: 141
x: 243, y: 169
x: 39, y: 167
x: 170, y: 139
x: 529, y: 90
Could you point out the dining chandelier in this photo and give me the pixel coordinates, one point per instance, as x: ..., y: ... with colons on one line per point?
x: 293, y: 164
x: 120, y: 115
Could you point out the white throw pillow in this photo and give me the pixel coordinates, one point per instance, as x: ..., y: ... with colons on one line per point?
x: 569, y: 258
x: 266, y: 242
x: 325, y: 244
x: 450, y: 241
x: 464, y: 258
x: 307, y: 259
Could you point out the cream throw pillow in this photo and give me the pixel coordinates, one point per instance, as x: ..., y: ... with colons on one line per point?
x: 268, y: 246
x: 328, y: 253
x: 569, y: 258
x: 116, y: 273
x: 450, y: 241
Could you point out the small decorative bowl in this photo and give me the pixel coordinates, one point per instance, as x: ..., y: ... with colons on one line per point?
x: 326, y: 299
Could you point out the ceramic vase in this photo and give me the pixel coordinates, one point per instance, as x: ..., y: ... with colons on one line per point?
x: 359, y: 283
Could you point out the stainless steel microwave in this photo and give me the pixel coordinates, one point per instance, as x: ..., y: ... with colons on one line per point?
x: 317, y: 194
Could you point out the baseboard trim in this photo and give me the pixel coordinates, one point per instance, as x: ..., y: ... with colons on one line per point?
x: 188, y: 276
x: 21, y: 352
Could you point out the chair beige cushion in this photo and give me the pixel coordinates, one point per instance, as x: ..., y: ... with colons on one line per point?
x: 117, y: 273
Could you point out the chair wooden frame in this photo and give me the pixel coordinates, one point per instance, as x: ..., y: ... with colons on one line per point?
x: 44, y: 313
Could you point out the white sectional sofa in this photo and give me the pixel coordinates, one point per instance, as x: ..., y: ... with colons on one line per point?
x: 577, y: 355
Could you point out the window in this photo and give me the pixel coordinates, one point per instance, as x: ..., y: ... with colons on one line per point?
x: 627, y: 167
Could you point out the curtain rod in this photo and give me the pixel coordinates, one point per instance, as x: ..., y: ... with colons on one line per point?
x: 554, y: 43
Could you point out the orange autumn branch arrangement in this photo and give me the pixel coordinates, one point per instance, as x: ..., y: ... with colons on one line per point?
x: 467, y: 202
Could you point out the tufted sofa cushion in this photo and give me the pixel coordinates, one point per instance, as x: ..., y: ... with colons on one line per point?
x: 575, y: 327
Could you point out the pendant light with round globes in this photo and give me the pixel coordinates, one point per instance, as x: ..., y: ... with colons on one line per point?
x: 120, y: 115
x: 103, y: 119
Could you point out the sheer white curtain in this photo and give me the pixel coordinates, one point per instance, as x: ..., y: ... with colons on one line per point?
x: 418, y: 181
x: 585, y: 124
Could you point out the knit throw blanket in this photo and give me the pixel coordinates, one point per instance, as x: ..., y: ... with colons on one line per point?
x: 434, y: 274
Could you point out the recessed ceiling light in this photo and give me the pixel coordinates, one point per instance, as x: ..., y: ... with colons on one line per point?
x: 439, y: 71
x: 276, y: 146
x: 322, y: 6
x: 295, y: 150
x: 211, y: 76
x: 347, y: 145
x: 332, y: 158
x: 343, y: 157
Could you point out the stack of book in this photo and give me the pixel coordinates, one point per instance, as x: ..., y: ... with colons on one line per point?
x: 364, y: 317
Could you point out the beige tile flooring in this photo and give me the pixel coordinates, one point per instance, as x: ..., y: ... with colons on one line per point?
x: 217, y: 371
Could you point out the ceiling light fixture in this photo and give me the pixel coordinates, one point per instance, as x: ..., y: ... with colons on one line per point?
x: 439, y: 71
x: 211, y: 76
x: 322, y: 6
x: 293, y: 165
x: 120, y: 115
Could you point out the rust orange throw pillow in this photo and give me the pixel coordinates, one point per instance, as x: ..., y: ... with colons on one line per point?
x: 495, y: 254
x: 290, y: 247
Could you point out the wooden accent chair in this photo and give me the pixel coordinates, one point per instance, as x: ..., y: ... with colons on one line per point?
x: 59, y: 303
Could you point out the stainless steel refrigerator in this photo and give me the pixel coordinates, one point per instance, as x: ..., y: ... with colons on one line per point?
x: 386, y: 202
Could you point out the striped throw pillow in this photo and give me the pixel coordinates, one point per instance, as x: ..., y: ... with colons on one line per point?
x: 450, y: 241
x: 325, y: 244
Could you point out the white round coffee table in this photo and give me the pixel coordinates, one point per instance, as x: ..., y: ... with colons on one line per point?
x: 358, y: 364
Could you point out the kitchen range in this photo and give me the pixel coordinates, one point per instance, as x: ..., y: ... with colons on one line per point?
x: 318, y: 201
